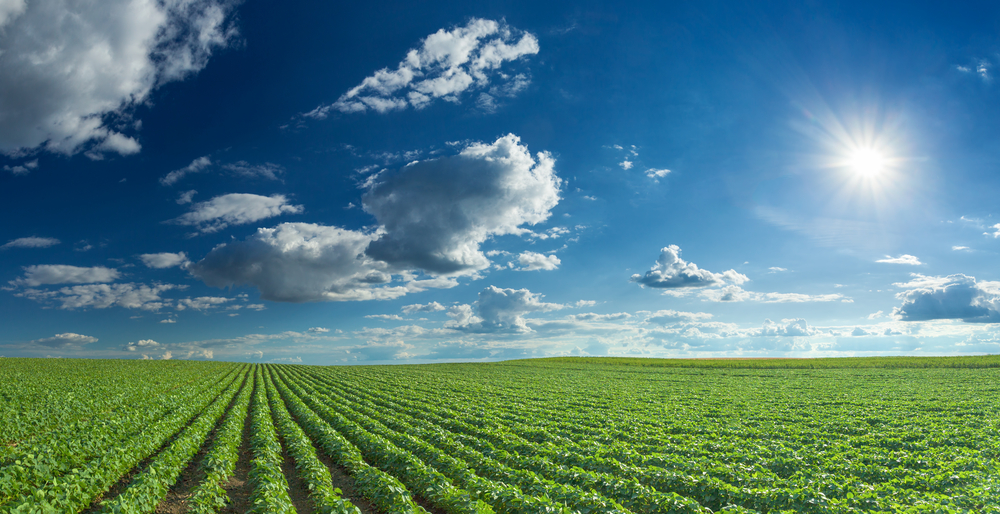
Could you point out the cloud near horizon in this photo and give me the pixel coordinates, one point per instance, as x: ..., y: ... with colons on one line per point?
x: 672, y: 272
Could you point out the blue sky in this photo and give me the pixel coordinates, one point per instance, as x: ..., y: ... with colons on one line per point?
x: 394, y: 182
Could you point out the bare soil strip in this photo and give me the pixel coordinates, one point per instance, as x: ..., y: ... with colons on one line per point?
x: 176, y: 499
x: 298, y: 490
x: 345, y: 483
x: 238, y: 486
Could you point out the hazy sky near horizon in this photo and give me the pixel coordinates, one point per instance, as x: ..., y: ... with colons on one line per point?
x: 391, y: 182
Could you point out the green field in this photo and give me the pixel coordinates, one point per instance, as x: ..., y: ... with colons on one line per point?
x: 534, y: 436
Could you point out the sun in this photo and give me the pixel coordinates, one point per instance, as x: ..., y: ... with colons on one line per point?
x: 866, y: 162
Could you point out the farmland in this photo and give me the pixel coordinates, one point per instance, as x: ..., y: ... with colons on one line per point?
x: 539, y: 436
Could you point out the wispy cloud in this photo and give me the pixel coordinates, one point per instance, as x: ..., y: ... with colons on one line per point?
x: 31, y: 242
x: 902, y: 259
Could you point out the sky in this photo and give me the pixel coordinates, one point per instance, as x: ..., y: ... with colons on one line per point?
x: 399, y: 182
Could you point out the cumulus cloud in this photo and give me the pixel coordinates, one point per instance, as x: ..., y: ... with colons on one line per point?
x: 626, y: 164
x: 102, y: 296
x: 996, y: 231
x: 142, y: 344
x: 430, y: 307
x: 446, y: 65
x: 787, y: 328
x: 672, y: 272
x: 952, y: 297
x: 318, y: 330
x: 531, y: 261
x: 499, y: 310
x: 436, y: 213
x: 657, y: 174
x: 198, y: 165
x: 67, y: 340
x: 30, y: 242
x: 47, y: 274
x: 300, y: 262
x: 235, y: 209
x: 71, y: 72
x: 902, y: 259
x: 165, y: 260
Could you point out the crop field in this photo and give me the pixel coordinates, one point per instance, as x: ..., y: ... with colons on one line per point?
x: 539, y: 436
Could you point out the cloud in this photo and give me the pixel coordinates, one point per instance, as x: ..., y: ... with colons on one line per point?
x: 776, y: 269
x: 436, y: 213
x: 499, y: 310
x: 23, y: 168
x: 201, y: 303
x: 71, y: 73
x: 45, y: 274
x: 446, y: 65
x: 142, y: 344
x: 656, y: 174
x: 592, y: 316
x: 531, y: 261
x: 31, y: 242
x: 300, y: 262
x: 186, y: 197
x: 235, y: 209
x: 386, y: 317
x: 738, y: 294
x: 198, y: 165
x: 165, y: 260
x: 953, y: 297
x: 996, y: 231
x: 671, y: 316
x: 267, y: 170
x: 66, y: 340
x: 787, y: 328
x: 672, y: 272
x: 626, y: 164
x: 958, y: 248
x: 318, y: 330
x: 167, y: 356
x: 430, y: 307
x: 902, y: 259
x: 101, y: 296
x: 168, y: 321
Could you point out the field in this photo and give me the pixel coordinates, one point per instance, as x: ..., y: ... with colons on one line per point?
x: 539, y: 436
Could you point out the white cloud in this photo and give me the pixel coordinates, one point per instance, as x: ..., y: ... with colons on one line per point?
x: 31, y: 242
x: 206, y: 354
x: 168, y: 321
x: 198, y: 165
x: 44, y: 274
x: 318, y: 330
x: 655, y: 174
x: 165, y: 260
x: 952, y: 297
x: 387, y: 317
x: 66, y: 340
x: 958, y: 248
x: 201, y: 303
x: 876, y: 315
x: 23, y: 168
x: 436, y: 213
x: 142, y: 344
x: 787, y: 328
x: 626, y: 164
x: 447, y: 64
x: 167, y: 356
x: 996, y: 231
x: 186, y: 197
x: 300, y: 262
x: 430, y: 307
x: 671, y: 316
x: 902, y: 259
x: 584, y: 303
x: 531, y: 261
x: 593, y: 316
x: 672, y: 272
x: 776, y: 269
x: 102, y: 296
x: 71, y: 72
x: 267, y: 170
x: 499, y: 310
x: 235, y: 209
x: 738, y: 294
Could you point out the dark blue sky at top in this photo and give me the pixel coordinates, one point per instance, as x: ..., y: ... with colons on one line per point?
x: 734, y: 99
